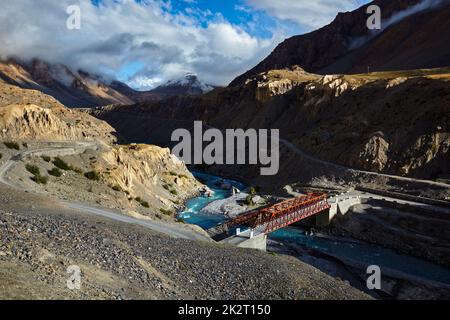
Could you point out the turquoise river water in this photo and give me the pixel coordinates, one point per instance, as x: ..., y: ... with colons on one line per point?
x: 364, y: 254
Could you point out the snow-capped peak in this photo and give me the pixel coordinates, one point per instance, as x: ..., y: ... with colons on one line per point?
x: 189, y: 82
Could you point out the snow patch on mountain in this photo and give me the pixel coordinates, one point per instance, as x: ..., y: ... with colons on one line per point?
x: 189, y: 81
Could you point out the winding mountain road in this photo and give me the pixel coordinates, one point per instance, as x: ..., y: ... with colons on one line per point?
x: 170, y: 229
x: 301, y: 153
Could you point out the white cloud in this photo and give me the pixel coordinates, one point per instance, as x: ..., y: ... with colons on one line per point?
x: 421, y: 6
x: 145, y: 83
x: 121, y: 32
x: 306, y: 13
x: 396, y: 17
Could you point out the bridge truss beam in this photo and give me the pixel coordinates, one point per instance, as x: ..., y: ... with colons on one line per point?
x: 280, y: 215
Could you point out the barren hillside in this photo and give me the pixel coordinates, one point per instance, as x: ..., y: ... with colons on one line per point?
x: 347, y: 46
x: 73, y: 89
x: 142, y: 179
x: 393, y: 122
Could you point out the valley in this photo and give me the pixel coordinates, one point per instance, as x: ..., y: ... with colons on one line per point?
x: 143, y: 185
x: 277, y: 100
x: 42, y: 235
x: 127, y: 261
x: 324, y: 118
x: 63, y: 199
x: 162, y: 186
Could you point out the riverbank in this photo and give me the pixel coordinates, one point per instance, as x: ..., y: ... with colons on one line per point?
x: 124, y: 261
x: 407, y: 230
x: 346, y: 258
x: 192, y: 211
x: 417, y: 279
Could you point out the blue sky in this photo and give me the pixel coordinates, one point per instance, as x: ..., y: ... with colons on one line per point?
x: 255, y: 20
x: 241, y: 13
x: 234, y: 11
x: 247, y: 14
x: 148, y: 42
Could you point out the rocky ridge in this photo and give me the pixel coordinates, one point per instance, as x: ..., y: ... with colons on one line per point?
x: 71, y: 88
x: 158, y: 180
x: 347, y: 46
x: 391, y: 122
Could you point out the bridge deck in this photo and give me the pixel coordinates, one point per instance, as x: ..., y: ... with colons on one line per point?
x: 271, y: 218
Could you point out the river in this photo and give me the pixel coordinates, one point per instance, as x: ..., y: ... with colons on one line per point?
x: 351, y: 251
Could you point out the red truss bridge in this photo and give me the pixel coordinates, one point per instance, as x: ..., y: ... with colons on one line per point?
x: 280, y: 215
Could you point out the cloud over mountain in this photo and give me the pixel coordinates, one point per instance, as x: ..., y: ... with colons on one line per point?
x: 147, y: 42
x: 306, y: 13
x: 117, y: 34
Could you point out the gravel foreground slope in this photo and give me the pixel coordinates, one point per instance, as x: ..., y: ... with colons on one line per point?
x: 40, y: 240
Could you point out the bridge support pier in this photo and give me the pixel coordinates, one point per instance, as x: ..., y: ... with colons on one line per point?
x: 258, y: 242
x: 323, y: 219
x: 247, y: 239
x: 269, y: 219
x: 338, y: 206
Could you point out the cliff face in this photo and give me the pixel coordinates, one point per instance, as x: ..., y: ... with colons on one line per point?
x: 348, y: 46
x: 279, y: 82
x: 389, y: 125
x: 392, y: 122
x: 149, y: 172
x: 31, y: 115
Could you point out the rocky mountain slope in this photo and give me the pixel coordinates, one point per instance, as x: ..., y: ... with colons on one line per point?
x: 408, y: 40
x: 189, y: 85
x: 139, y: 179
x: 32, y: 115
x: 73, y: 89
x: 392, y: 122
x: 81, y: 89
